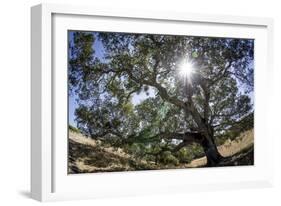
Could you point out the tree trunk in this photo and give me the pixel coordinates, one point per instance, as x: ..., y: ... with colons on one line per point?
x: 212, y: 154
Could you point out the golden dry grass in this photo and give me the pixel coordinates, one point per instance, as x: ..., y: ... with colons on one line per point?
x: 87, y: 155
x: 229, y: 148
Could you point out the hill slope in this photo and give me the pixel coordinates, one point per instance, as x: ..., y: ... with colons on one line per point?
x: 237, y: 152
x: 87, y: 155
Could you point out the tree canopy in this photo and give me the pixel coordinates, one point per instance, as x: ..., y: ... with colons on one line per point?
x: 179, y: 108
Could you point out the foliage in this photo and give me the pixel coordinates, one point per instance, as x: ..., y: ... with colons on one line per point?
x: 236, y: 129
x: 177, y: 110
x: 73, y: 129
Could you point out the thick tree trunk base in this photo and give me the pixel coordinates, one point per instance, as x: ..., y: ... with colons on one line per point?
x: 212, y: 154
x: 213, y: 158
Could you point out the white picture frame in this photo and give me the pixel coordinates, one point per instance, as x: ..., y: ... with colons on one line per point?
x: 49, y: 178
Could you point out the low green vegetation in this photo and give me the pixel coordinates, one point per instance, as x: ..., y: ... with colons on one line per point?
x: 73, y: 129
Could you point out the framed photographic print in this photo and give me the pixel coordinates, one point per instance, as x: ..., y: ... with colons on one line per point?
x: 137, y: 102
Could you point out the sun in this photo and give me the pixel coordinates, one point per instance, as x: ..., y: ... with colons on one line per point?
x: 186, y: 69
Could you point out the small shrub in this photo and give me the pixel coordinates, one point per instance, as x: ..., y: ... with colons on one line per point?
x: 184, y: 156
x: 73, y: 129
x: 168, y: 159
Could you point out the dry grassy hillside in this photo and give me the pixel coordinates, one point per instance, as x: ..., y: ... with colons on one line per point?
x: 239, y: 151
x: 87, y: 155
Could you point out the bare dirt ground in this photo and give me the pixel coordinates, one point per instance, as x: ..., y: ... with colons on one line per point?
x: 87, y: 155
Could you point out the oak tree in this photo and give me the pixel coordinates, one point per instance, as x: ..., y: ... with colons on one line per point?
x: 197, y: 88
